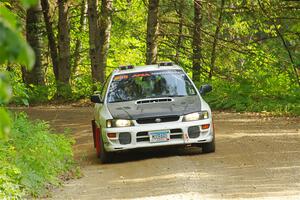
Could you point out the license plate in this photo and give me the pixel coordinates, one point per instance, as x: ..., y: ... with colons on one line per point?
x: 159, y: 136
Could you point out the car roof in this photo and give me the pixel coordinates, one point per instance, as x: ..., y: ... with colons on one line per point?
x: 146, y: 68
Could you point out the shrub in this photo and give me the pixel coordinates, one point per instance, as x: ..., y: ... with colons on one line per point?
x: 10, y: 177
x: 33, y: 157
x: 246, y: 96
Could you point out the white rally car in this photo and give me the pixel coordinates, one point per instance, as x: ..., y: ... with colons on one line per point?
x: 151, y: 106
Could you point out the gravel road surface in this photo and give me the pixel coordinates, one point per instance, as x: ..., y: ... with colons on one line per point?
x: 257, y: 157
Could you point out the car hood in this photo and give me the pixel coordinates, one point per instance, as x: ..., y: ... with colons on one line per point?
x: 131, y: 110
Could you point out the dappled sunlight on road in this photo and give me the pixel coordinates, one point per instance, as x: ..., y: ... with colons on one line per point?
x: 245, y: 133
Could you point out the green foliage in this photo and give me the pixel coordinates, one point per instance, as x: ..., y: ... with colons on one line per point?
x: 23, y: 94
x: 38, y: 94
x: 26, y: 95
x: 82, y: 86
x: 10, y: 175
x: 27, y: 3
x: 13, y: 46
x: 33, y: 157
x: 5, y: 89
x: 30, y: 155
x: 64, y: 92
x: 20, y: 94
x: 246, y: 96
x: 5, y: 123
x: 5, y: 94
x: 13, y: 49
x: 128, y: 32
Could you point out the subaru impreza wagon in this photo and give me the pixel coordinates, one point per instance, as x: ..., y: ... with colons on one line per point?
x: 151, y: 106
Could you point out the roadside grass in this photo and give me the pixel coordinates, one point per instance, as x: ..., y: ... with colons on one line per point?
x: 34, y: 159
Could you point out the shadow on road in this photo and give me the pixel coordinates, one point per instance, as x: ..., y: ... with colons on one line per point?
x: 143, y: 154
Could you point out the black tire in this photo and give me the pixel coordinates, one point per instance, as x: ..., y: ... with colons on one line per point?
x: 209, y: 147
x: 104, y: 156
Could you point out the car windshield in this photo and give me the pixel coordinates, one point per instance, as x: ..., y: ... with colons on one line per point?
x: 153, y: 84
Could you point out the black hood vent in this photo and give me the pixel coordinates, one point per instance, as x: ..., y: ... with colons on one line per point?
x: 158, y: 100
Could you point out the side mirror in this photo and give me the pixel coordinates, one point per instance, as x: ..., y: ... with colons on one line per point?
x: 95, y: 98
x: 205, y: 89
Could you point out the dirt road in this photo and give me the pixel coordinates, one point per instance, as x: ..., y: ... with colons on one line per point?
x: 256, y: 158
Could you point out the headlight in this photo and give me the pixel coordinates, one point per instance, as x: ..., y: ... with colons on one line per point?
x: 118, y: 123
x: 195, y: 116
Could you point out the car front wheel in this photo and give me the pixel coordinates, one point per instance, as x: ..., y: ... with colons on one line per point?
x: 104, y: 156
x: 209, y: 147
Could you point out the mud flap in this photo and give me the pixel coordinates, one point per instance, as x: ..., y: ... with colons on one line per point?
x: 94, y: 131
x: 97, y: 140
x: 96, y: 137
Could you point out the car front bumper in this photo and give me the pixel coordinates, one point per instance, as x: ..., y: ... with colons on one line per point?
x: 179, y: 135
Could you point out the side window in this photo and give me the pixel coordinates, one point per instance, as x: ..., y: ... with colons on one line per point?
x: 104, y: 88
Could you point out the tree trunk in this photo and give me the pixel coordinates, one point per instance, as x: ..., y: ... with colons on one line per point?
x: 33, y: 19
x: 105, y: 30
x: 215, y: 42
x: 99, y: 32
x: 179, y: 12
x: 76, y: 55
x: 94, y: 39
x: 152, y: 32
x: 50, y: 35
x: 197, y: 43
x: 64, y: 67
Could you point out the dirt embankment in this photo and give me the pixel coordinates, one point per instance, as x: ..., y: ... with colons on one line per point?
x: 256, y: 157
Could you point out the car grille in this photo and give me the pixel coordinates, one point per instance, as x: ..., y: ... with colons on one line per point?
x: 144, y: 136
x: 150, y: 120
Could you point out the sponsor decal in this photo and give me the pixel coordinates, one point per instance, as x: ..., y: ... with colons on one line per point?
x: 120, y: 77
x: 145, y: 74
x: 140, y: 75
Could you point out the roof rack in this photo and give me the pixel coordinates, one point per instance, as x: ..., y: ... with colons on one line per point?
x: 163, y: 64
x: 126, y: 67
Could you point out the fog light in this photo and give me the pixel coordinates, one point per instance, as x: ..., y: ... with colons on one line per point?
x: 111, y: 135
x: 205, y: 126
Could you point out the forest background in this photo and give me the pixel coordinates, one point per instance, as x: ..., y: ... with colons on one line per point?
x: 62, y: 51
x: 248, y: 50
